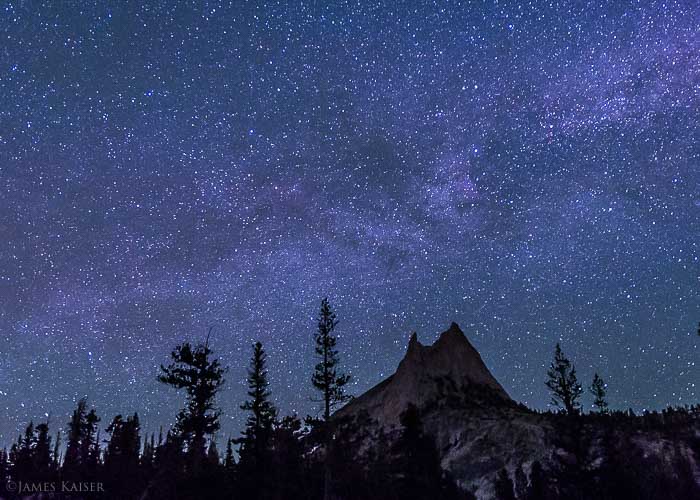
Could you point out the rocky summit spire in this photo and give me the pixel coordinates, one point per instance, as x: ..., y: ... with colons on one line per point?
x: 424, y: 374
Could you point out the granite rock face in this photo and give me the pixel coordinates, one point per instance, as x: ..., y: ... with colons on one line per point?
x: 424, y: 374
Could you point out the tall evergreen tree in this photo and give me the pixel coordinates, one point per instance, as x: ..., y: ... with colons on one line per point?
x: 418, y: 473
x: 229, y: 459
x: 561, y: 380
x: 288, y: 460
x: 326, y: 378
x: 21, y: 454
x: 193, y: 369
x: 122, y: 453
x: 121, y: 458
x: 169, y: 467
x: 503, y: 486
x: 4, y: 468
x: 598, y: 390
x: 539, y: 487
x: 213, y: 459
x: 56, y: 455
x: 90, y: 445
x: 42, y: 462
x: 255, y: 451
x: 76, y: 428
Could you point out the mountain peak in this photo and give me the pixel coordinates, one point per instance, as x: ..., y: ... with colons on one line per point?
x: 421, y: 371
x: 413, y: 343
x: 453, y: 335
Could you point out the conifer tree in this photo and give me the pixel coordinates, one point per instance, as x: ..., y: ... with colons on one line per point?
x: 418, y: 471
x: 121, y: 457
x: 56, y: 455
x: 193, y: 369
x: 22, y: 453
x: 538, y: 488
x: 148, y: 455
x: 4, y: 467
x: 255, y: 451
x: 122, y: 453
x: 90, y: 444
x: 229, y: 459
x: 288, y: 460
x: 213, y: 458
x: 326, y: 378
x: 41, y: 458
x: 503, y: 486
x: 598, y: 390
x: 561, y: 380
x: 76, y: 428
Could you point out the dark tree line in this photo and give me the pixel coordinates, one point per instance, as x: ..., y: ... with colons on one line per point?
x: 284, y: 458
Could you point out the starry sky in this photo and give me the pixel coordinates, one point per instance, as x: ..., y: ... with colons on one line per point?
x: 528, y: 170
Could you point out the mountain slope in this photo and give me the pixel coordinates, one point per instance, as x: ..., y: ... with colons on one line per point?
x: 479, y: 430
x: 425, y: 373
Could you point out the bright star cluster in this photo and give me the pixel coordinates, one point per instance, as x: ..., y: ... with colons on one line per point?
x: 530, y: 170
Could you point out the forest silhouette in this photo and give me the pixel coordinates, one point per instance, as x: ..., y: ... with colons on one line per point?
x: 284, y: 457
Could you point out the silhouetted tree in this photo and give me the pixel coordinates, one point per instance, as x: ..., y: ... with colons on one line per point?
x: 56, y: 455
x: 76, y: 429
x: 288, y: 460
x: 193, y: 369
x: 121, y: 460
x: 169, y: 467
x: 148, y: 456
x: 90, y: 447
x: 561, y: 380
x: 503, y: 486
x: 598, y: 391
x: 213, y: 458
x: 326, y: 378
x: 539, y: 485
x: 419, y: 474
x: 42, y: 462
x: 229, y: 459
x: 21, y: 454
x: 4, y: 468
x: 520, y: 482
x: 256, y: 440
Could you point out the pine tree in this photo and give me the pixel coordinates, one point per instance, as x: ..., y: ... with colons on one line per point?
x: 213, y: 458
x: 288, y: 460
x: 76, y: 428
x: 538, y: 488
x: 22, y: 453
x: 148, y: 455
x: 255, y: 451
x: 598, y: 390
x: 122, y: 453
x: 229, y: 459
x: 169, y: 467
x: 561, y: 380
x: 56, y: 455
x: 193, y: 369
x: 326, y: 378
x: 121, y: 457
x: 520, y: 482
x: 41, y: 459
x: 4, y: 467
x: 90, y: 445
x: 503, y: 486
x: 417, y: 466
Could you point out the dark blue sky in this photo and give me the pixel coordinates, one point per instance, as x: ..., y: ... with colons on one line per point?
x: 529, y: 171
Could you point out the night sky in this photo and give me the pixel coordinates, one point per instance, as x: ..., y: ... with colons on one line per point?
x: 530, y: 171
